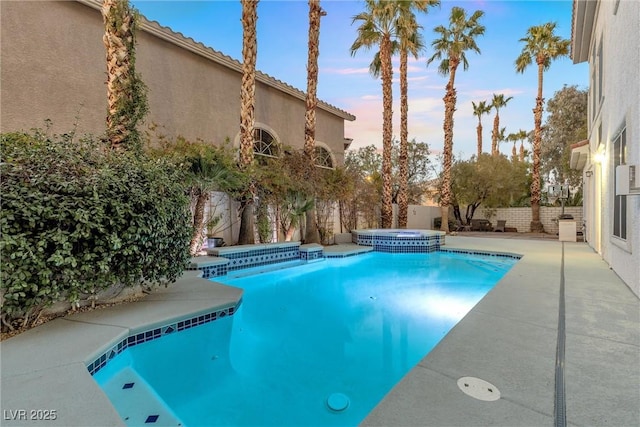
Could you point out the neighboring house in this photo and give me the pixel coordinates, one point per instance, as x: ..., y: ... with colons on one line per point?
x: 605, y: 33
x: 53, y: 67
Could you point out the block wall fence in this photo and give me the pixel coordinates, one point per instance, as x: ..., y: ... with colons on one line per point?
x: 422, y: 217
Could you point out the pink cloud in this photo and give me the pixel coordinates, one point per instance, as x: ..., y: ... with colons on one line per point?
x: 488, y: 94
x: 346, y: 71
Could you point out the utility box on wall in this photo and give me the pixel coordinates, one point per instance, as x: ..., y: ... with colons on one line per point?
x: 567, y: 231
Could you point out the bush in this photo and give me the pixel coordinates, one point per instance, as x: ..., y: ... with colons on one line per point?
x: 77, y: 219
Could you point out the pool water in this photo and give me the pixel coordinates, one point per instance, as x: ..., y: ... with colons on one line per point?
x: 318, y: 344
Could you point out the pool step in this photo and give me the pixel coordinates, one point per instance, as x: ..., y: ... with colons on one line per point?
x: 264, y: 269
x: 136, y: 402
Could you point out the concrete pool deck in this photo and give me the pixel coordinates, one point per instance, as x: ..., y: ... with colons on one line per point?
x: 508, y: 339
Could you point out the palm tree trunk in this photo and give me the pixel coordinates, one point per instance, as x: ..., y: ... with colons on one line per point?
x: 386, y: 211
x: 311, y: 235
x: 248, y: 89
x: 479, y: 133
x: 198, y: 222
x: 315, y: 12
x: 536, y: 225
x: 246, y: 235
x: 449, y: 109
x: 288, y: 236
x: 403, y: 204
x: 494, y: 135
x: 118, y: 28
x: 247, y: 106
x: 521, y: 153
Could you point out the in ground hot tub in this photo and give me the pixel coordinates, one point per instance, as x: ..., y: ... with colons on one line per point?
x: 399, y: 240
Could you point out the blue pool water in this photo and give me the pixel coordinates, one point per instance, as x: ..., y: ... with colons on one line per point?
x: 335, y: 333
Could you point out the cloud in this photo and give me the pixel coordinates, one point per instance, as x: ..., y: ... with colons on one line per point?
x: 410, y: 68
x: 417, y: 78
x: 425, y: 123
x: 481, y: 94
x: 425, y: 105
x: 420, y: 60
x: 346, y: 71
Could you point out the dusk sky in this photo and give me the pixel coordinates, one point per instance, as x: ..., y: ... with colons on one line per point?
x: 344, y: 81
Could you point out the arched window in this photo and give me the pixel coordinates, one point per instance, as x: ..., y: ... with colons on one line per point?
x: 264, y: 144
x: 323, y: 158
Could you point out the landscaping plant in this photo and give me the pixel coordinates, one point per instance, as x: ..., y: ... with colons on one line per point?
x: 78, y: 218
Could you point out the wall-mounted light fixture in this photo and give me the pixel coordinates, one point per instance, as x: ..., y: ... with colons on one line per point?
x: 589, y: 174
x: 599, y: 157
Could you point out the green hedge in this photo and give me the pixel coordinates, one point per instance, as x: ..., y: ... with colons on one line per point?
x: 77, y: 219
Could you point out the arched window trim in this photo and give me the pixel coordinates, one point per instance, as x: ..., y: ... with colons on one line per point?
x: 320, y: 146
x: 262, y: 127
x: 265, y: 143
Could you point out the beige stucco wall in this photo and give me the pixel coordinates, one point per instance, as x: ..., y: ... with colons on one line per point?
x: 53, y: 67
x: 616, y: 26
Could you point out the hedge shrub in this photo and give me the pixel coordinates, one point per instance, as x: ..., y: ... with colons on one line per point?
x: 77, y: 219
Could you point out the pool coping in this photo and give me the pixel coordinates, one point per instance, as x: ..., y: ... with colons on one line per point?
x: 46, y: 368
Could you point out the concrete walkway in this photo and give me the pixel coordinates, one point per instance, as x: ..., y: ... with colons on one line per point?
x: 509, y: 339
x: 45, y: 380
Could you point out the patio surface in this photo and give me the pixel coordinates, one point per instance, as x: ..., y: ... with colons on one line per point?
x: 508, y: 339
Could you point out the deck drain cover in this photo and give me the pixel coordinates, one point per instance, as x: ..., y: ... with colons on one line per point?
x: 479, y: 389
x: 338, y: 402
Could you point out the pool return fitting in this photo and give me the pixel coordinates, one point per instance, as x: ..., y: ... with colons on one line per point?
x: 479, y: 389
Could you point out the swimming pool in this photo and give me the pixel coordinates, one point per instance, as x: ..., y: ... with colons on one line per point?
x: 318, y: 344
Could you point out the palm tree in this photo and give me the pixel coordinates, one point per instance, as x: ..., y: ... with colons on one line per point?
x: 409, y: 41
x: 541, y: 46
x: 501, y: 137
x: 315, y: 12
x: 478, y: 110
x: 247, y: 119
x: 521, y: 153
x: 521, y: 135
x: 498, y: 102
x: 377, y: 28
x: 207, y: 172
x: 126, y: 93
x: 514, y: 152
x: 450, y: 48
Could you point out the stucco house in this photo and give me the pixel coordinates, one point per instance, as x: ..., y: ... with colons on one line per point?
x: 53, y: 67
x: 605, y: 33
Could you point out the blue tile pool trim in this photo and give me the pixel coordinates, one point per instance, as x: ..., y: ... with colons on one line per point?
x: 485, y: 253
x: 155, y: 333
x: 210, y: 270
x: 311, y: 255
x: 346, y: 254
x: 400, y: 244
x: 257, y: 257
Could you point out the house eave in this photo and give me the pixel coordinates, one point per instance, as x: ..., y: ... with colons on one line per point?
x: 583, y: 16
x: 579, y: 155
